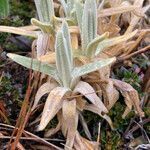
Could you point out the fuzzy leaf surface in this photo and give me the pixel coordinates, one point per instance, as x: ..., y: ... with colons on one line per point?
x: 79, y: 13
x: 63, y: 63
x: 68, y: 41
x: 45, y: 9
x: 45, y: 27
x: 94, y: 43
x: 89, y: 22
x: 91, y: 67
x: 35, y: 65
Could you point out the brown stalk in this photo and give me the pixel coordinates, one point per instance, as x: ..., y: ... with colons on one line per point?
x: 116, y: 10
x: 133, y: 46
x: 32, y: 137
x: 121, y: 59
x: 23, y: 116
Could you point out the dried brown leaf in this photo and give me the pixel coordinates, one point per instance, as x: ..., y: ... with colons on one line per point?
x: 85, y: 127
x: 48, y: 58
x: 116, y: 10
x: 53, y: 104
x: 84, y: 144
x: 53, y: 131
x: 80, y: 103
x: 134, y: 18
x: 94, y: 109
x: 45, y: 43
x: 110, y: 94
x: 131, y: 96
x: 44, y: 89
x: 70, y: 121
x: 16, y: 30
x: 74, y: 41
x: 88, y: 91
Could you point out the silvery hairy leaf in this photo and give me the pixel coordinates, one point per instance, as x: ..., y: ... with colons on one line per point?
x: 89, y: 22
x: 88, y: 68
x: 63, y: 59
x: 68, y: 6
x: 45, y: 10
x: 35, y: 65
x: 79, y: 13
x: 45, y: 27
x: 90, y: 51
x: 68, y: 39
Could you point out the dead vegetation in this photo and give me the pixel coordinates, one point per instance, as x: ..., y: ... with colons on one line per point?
x: 77, y: 47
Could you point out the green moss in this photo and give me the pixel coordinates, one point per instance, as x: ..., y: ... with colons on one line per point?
x: 130, y: 76
x: 7, y: 88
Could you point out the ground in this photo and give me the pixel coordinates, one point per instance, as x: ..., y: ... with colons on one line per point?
x: 14, y: 82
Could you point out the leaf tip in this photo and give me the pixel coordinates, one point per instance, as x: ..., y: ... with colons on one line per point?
x: 41, y: 127
x: 10, y: 55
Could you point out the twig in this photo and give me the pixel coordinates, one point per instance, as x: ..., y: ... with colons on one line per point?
x: 38, y: 139
x: 143, y: 131
x: 30, y: 138
x: 99, y: 132
x: 136, y: 127
x: 120, y: 59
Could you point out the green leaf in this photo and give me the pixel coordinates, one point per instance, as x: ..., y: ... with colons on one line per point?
x: 4, y: 8
x: 91, y: 67
x: 35, y: 65
x: 70, y: 6
x: 63, y: 63
x: 90, y: 51
x: 113, y: 41
x: 79, y: 13
x: 45, y: 27
x: 89, y: 23
x: 45, y: 9
x: 68, y: 39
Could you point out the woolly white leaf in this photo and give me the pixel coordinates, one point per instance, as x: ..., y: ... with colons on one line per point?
x: 90, y: 51
x: 63, y: 59
x: 35, y: 65
x: 89, y: 22
x: 68, y: 41
x: 45, y: 9
x: 88, y: 68
x: 79, y: 13
x: 45, y: 27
